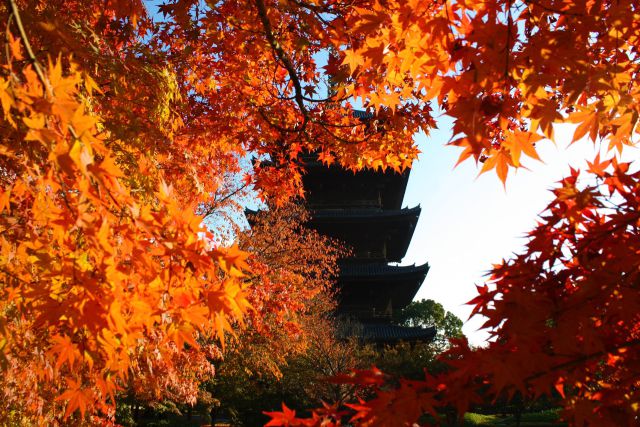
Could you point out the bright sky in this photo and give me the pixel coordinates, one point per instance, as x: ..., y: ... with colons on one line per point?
x: 468, y: 224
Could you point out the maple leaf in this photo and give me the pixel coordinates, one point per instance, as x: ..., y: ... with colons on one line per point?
x: 559, y: 386
x: 233, y: 260
x: 66, y: 350
x: 326, y: 157
x: 76, y: 398
x: 5, y: 201
x: 521, y: 142
x: 353, y: 59
x: 588, y: 125
x: 371, y: 376
x: 369, y: 20
x: 284, y: 418
x: 598, y: 166
x: 309, y: 90
x: 499, y: 160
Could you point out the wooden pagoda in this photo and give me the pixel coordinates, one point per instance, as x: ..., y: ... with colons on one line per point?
x: 364, y: 210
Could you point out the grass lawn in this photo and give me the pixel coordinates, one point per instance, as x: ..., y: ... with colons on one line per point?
x: 536, y: 419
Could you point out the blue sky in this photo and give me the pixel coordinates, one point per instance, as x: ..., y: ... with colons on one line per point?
x: 468, y: 223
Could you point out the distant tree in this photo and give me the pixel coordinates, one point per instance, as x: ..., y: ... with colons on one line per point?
x: 403, y: 359
x: 427, y: 312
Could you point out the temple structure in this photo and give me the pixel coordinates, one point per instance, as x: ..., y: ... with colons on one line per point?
x: 364, y: 210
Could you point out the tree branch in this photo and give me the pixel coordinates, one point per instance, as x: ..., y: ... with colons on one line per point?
x: 281, y: 55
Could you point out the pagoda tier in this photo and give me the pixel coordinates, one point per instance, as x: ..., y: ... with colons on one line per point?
x: 334, y: 187
x: 385, y: 333
x: 372, y: 234
x: 372, y: 291
x: 364, y: 210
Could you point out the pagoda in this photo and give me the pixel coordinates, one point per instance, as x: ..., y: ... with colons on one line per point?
x: 364, y: 210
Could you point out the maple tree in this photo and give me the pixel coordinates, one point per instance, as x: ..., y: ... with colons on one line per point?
x: 246, y: 392
x: 290, y: 333
x: 290, y: 287
x: 293, y: 268
x: 123, y: 130
x: 92, y: 271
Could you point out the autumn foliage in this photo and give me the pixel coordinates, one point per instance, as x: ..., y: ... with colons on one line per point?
x: 290, y: 289
x: 123, y: 129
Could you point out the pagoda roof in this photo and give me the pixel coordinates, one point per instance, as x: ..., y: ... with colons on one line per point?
x: 391, y: 184
x: 348, y: 215
x: 368, y: 286
x: 362, y: 114
x: 386, y: 333
x: 359, y: 227
x: 381, y: 270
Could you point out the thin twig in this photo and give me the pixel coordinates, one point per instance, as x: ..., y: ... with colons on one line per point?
x: 7, y: 32
x: 25, y: 41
